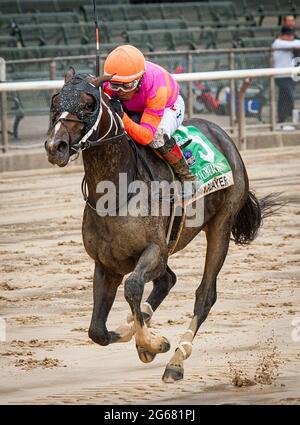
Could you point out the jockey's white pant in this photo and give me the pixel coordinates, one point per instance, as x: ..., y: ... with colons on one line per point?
x: 171, y: 120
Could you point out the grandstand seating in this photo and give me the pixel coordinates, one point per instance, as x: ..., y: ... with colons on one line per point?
x: 153, y: 39
x: 268, y: 31
x: 36, y: 18
x: 272, y: 7
x: 171, y: 39
x: 266, y: 8
x: 25, y: 6
x: 53, y: 51
x: 8, y: 41
x: 56, y: 33
x: 84, y: 32
x: 255, y: 41
x: 201, y: 11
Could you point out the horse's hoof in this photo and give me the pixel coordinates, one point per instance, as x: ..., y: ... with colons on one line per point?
x: 165, y: 345
x: 172, y: 374
x: 145, y: 356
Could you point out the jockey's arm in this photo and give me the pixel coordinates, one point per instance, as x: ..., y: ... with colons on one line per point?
x: 144, y: 132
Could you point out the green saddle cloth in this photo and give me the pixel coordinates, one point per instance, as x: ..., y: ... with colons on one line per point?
x: 205, y: 161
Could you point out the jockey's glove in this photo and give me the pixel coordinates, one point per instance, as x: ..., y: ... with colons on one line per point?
x: 117, y: 106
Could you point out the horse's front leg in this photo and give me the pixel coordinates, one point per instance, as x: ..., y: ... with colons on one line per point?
x: 149, y: 266
x: 105, y: 287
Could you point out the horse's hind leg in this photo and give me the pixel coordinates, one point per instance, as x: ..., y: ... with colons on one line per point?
x: 105, y: 287
x: 149, y: 267
x: 218, y: 236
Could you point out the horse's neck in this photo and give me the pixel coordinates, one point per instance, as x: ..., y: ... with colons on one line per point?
x: 107, y: 160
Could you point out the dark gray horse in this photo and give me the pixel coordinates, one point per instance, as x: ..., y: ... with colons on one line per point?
x: 81, y: 117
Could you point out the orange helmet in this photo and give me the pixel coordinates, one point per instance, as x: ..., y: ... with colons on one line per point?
x: 126, y: 62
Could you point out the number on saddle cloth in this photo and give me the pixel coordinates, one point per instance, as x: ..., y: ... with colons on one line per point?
x: 205, y: 161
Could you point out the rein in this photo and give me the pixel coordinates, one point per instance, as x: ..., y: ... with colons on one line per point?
x: 86, y: 143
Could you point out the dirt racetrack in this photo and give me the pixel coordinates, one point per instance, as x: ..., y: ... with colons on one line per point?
x: 247, y: 351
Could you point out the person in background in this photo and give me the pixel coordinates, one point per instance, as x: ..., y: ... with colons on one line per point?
x: 289, y: 21
x: 283, y: 58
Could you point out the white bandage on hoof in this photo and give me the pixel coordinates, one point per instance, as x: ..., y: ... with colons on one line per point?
x: 183, y: 350
x: 146, y: 308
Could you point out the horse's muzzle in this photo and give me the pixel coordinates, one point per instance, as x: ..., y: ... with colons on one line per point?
x: 57, y: 151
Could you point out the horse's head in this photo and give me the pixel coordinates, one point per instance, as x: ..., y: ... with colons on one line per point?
x: 74, y: 115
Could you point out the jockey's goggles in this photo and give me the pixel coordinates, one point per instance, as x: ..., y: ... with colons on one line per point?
x: 125, y: 87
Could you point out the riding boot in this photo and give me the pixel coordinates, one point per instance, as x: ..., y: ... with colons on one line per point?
x: 172, y: 153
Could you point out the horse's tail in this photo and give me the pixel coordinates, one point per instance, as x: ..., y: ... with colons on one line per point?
x: 250, y: 217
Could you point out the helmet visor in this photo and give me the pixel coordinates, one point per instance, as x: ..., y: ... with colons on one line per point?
x: 125, y: 87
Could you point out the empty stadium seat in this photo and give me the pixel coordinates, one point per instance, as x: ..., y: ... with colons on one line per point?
x: 172, y: 39
x: 268, y: 31
x: 222, y: 38
x: 151, y: 39
x: 115, y: 30
x: 40, y: 34
x: 59, y: 34
x: 25, y: 6
x: 53, y: 51
x: 193, y: 38
x: 8, y: 41
x: 105, y: 13
x: 269, y: 8
x: 204, y: 11
x: 37, y: 18
x: 256, y: 42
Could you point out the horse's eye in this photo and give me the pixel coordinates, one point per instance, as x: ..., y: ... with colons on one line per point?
x: 89, y: 107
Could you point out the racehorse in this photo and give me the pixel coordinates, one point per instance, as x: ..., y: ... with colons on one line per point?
x: 82, y: 118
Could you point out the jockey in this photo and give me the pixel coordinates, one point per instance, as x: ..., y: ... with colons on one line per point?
x: 142, y: 89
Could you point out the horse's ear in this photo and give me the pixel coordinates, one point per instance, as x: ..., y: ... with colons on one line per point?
x: 69, y: 74
x: 102, y: 79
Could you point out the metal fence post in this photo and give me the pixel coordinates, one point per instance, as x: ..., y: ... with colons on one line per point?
x: 190, y: 86
x: 242, y: 141
x: 272, y: 104
x: 232, y: 94
x: 52, y: 72
x: 4, y: 108
x: 272, y: 98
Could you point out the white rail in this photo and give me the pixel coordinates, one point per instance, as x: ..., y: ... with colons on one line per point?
x: 242, y: 74
x: 238, y: 74
x: 185, y: 77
